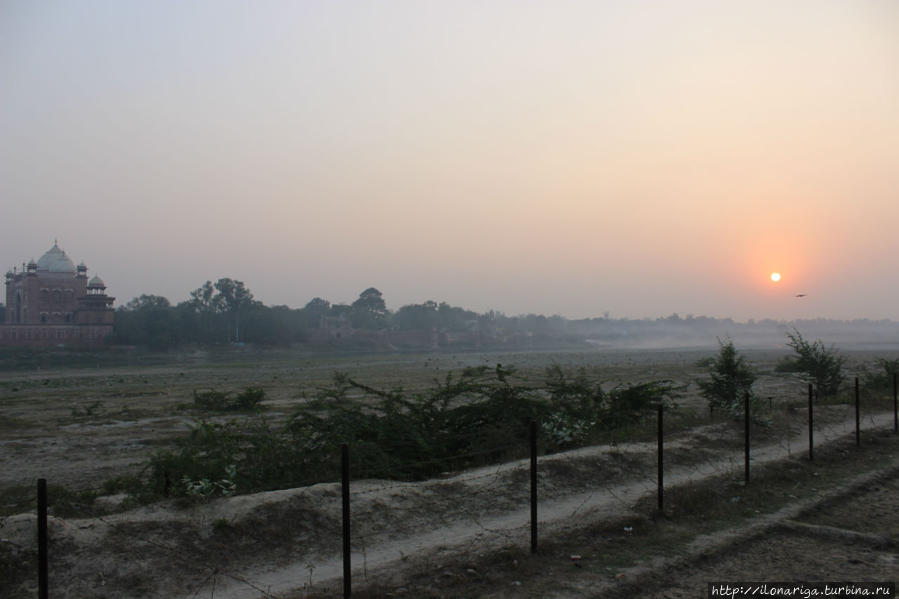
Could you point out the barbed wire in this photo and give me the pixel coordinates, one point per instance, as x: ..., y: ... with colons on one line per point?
x: 179, y: 554
x: 832, y: 421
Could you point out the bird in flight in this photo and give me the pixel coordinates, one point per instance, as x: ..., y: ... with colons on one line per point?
x: 800, y: 295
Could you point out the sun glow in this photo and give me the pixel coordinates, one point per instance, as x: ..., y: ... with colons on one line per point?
x: 775, y: 276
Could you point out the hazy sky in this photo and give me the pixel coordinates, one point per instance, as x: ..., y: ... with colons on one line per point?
x: 566, y: 157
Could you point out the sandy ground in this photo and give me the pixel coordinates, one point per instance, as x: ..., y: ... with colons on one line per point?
x: 287, y: 543
x: 80, y: 427
x: 278, y: 543
x: 852, y: 535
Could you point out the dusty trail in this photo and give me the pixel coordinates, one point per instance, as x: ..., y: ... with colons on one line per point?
x: 467, y: 532
x: 281, y: 543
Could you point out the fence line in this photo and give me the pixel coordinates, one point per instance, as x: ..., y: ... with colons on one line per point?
x: 501, y: 471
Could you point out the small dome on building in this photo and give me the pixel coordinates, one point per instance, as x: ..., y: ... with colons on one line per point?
x: 55, y: 260
x: 82, y: 267
x: 97, y: 283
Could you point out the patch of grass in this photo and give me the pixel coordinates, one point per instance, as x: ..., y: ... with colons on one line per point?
x: 91, y: 410
x: 11, y: 423
x: 222, y: 401
x: 67, y: 503
x: 121, y: 484
x: 480, y: 417
x: 220, y: 525
x: 61, y: 501
x: 18, y: 499
x: 17, y: 570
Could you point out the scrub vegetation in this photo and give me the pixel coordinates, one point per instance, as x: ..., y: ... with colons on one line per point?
x: 818, y: 364
x: 450, y: 440
x: 730, y: 380
x: 480, y: 416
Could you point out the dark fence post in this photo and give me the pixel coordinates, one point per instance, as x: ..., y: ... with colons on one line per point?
x: 896, y: 402
x: 345, y: 493
x: 42, y: 570
x: 661, y: 468
x: 533, y: 444
x: 746, y: 437
x: 858, y: 432
x: 811, y: 427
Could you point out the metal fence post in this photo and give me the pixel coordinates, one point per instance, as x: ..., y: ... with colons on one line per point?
x: 661, y: 468
x: 858, y: 432
x: 746, y: 437
x: 345, y: 493
x: 42, y: 569
x: 896, y: 402
x: 811, y: 428
x: 533, y: 444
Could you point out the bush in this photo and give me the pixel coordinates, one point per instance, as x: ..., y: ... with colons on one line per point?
x: 819, y: 365
x: 250, y: 398
x: 730, y: 379
x: 221, y: 401
x: 476, y: 418
x: 211, y: 399
x: 231, y: 457
x: 882, y: 378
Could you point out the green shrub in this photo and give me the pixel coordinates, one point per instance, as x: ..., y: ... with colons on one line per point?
x: 222, y: 401
x: 68, y: 503
x: 211, y: 399
x: 819, y: 365
x: 91, y: 410
x: 478, y: 417
x: 882, y: 378
x: 250, y: 398
x: 730, y: 379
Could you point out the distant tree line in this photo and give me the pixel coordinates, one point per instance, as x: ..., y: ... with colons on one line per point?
x: 226, y: 312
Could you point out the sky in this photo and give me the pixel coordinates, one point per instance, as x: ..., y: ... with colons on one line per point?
x: 569, y: 157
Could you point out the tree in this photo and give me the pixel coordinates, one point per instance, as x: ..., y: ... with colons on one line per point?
x: 233, y: 298
x: 455, y: 319
x: 369, y: 311
x: 416, y: 316
x: 148, y: 320
x: 314, y: 310
x: 225, y: 299
x: 202, y: 298
x: 147, y: 302
x: 822, y: 366
x: 730, y: 379
x: 276, y: 325
x: 203, y: 305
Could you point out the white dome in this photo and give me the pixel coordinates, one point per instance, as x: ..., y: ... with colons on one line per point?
x: 96, y: 282
x: 55, y: 260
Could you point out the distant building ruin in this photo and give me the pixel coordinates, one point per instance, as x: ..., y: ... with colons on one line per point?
x: 52, y: 302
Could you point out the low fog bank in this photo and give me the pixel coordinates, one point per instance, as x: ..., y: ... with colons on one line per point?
x: 675, y: 332
x: 226, y: 314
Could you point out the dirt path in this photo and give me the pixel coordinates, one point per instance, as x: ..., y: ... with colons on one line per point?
x: 286, y: 543
x: 468, y: 531
x: 848, y: 533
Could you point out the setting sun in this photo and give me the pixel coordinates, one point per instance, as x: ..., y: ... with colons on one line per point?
x: 775, y: 276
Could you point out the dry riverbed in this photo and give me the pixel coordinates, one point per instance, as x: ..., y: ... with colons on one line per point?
x: 463, y: 534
